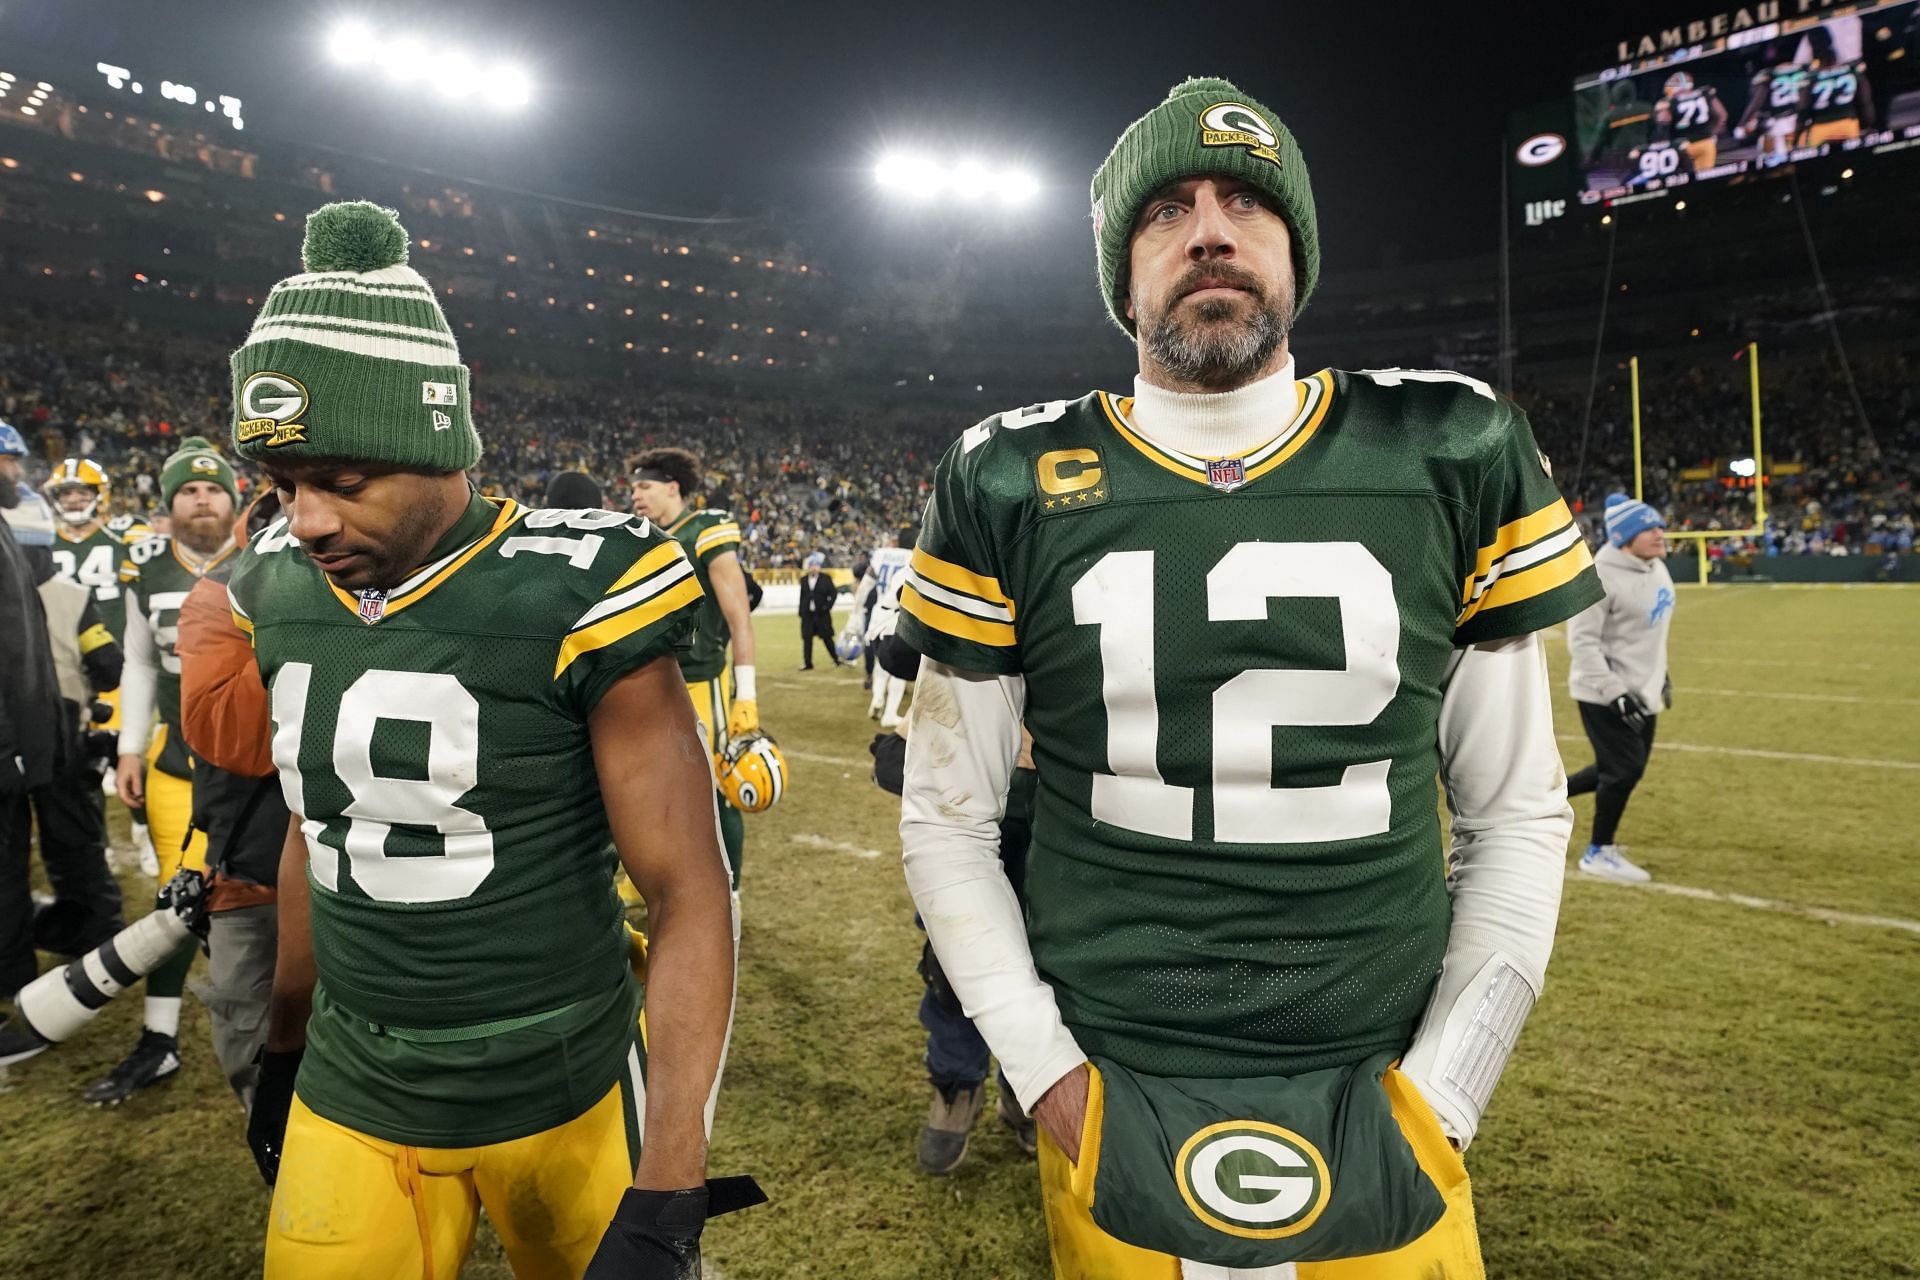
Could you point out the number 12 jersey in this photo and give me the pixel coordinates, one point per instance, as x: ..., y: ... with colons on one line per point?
x: 1234, y: 673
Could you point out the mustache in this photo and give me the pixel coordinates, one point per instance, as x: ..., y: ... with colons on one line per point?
x: 1207, y: 275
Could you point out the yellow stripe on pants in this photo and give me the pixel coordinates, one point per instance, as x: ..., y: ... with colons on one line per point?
x: 169, y: 814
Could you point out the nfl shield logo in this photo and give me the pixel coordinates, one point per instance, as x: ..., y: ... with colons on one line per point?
x: 1226, y: 474
x: 373, y: 605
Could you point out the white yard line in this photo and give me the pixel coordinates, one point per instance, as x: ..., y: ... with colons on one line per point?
x: 843, y: 762
x: 821, y: 842
x: 1755, y: 753
x: 1759, y: 904
x: 1803, y: 697
x: 1714, y: 659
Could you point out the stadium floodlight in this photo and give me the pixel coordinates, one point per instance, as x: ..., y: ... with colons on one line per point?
x: 403, y: 58
x: 456, y: 76
x: 510, y: 85
x: 350, y: 43
x: 919, y: 177
x: 1744, y: 467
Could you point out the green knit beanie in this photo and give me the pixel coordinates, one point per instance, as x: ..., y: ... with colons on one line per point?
x: 1204, y: 127
x: 353, y: 359
x: 195, y: 459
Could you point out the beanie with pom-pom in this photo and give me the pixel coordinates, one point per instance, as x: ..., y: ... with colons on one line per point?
x: 352, y: 359
x: 1205, y: 127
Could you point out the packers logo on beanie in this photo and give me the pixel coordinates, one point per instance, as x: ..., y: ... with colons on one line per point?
x: 353, y: 359
x: 1205, y: 126
x: 195, y: 459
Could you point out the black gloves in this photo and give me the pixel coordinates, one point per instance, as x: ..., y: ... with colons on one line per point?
x: 1629, y: 708
x: 655, y: 1235
x: 272, y: 1099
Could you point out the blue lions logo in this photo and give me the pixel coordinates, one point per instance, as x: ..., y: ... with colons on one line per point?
x: 1662, y: 606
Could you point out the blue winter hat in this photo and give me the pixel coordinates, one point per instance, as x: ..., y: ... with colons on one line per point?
x: 816, y: 559
x: 11, y: 443
x: 1627, y: 519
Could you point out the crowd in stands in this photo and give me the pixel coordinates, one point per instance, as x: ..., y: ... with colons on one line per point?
x: 800, y: 477
x: 1835, y: 486
x: 807, y: 476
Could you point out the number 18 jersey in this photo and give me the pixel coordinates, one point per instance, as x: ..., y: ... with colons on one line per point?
x: 433, y: 739
x: 1234, y: 671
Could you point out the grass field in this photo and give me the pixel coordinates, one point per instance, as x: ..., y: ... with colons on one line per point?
x: 1710, y: 1088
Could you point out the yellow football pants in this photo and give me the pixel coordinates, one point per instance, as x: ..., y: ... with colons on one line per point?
x: 348, y: 1206
x: 1832, y: 131
x: 1450, y: 1249
x: 169, y: 814
x: 713, y: 703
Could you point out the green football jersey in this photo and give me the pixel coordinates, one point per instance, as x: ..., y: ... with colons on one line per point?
x: 157, y: 579
x: 706, y: 534
x: 1234, y: 672
x: 471, y: 951
x: 94, y: 563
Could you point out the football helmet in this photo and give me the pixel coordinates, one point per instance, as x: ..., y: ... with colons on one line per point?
x: 752, y: 772
x: 1678, y: 83
x: 850, y: 645
x: 78, y: 473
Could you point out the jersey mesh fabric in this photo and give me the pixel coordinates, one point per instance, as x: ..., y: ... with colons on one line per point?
x: 456, y: 685
x: 706, y: 535
x: 94, y: 563
x: 1216, y: 955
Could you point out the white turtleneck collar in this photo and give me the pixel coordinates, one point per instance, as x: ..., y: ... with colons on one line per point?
x: 1222, y: 424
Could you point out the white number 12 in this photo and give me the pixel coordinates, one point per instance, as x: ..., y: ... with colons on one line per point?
x: 1117, y: 596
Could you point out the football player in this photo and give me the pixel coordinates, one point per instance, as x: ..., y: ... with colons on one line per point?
x: 1247, y: 617
x: 1839, y: 102
x: 473, y: 703
x: 197, y: 490
x: 886, y: 573
x: 1692, y: 117
x: 725, y: 697
x: 88, y: 550
x: 1776, y: 98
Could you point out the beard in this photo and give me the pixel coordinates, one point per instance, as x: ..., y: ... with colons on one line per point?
x: 1220, y: 343
x: 203, y: 534
x: 9, y: 493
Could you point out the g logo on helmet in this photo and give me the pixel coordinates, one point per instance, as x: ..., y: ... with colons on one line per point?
x: 752, y: 773
x: 270, y: 406
x: 1235, y: 124
x: 1253, y: 1180
x: 1541, y: 148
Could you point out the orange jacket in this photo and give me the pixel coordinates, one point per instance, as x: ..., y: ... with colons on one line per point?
x: 223, y: 704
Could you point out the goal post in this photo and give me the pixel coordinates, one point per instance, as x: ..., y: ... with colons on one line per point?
x: 1699, y: 537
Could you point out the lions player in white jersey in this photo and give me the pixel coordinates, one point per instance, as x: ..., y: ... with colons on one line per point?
x: 886, y: 572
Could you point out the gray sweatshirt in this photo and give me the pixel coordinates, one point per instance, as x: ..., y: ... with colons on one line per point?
x: 1620, y: 644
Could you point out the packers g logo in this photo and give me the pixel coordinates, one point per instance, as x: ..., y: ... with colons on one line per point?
x: 1235, y: 124
x: 206, y: 464
x: 1253, y: 1180
x: 270, y: 403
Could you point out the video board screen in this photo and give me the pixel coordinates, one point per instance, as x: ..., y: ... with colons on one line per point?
x: 1789, y: 90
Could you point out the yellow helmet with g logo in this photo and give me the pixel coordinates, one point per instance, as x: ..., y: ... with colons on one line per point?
x: 77, y: 473
x: 753, y: 773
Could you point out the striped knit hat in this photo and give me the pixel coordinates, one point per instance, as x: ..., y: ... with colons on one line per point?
x: 196, y: 459
x: 1627, y: 519
x: 1205, y: 126
x: 353, y: 359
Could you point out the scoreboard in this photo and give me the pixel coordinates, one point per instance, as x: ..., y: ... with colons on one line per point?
x: 1769, y: 94
x: 1704, y: 102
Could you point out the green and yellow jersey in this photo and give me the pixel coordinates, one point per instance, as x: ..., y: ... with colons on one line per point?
x: 1234, y: 674
x: 156, y: 579
x: 706, y: 534
x: 93, y: 561
x: 472, y: 956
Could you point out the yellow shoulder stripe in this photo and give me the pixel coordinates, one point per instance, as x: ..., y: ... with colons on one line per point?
x: 998, y: 635
x: 94, y: 637
x: 129, y: 571
x: 721, y: 535
x: 953, y: 577
x: 621, y: 625
x: 652, y: 562
x: 1534, y: 580
x: 1518, y: 533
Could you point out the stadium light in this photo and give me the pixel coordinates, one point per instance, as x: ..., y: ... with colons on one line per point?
x: 455, y: 75
x: 920, y: 177
x: 350, y: 43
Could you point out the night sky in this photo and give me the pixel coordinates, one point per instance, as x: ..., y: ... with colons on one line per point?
x: 767, y: 108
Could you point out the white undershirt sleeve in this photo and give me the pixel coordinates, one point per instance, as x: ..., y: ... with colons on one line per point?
x: 137, y: 684
x: 1507, y: 791
x: 962, y: 743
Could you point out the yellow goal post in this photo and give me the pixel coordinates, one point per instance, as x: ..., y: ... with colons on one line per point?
x: 1700, y: 536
